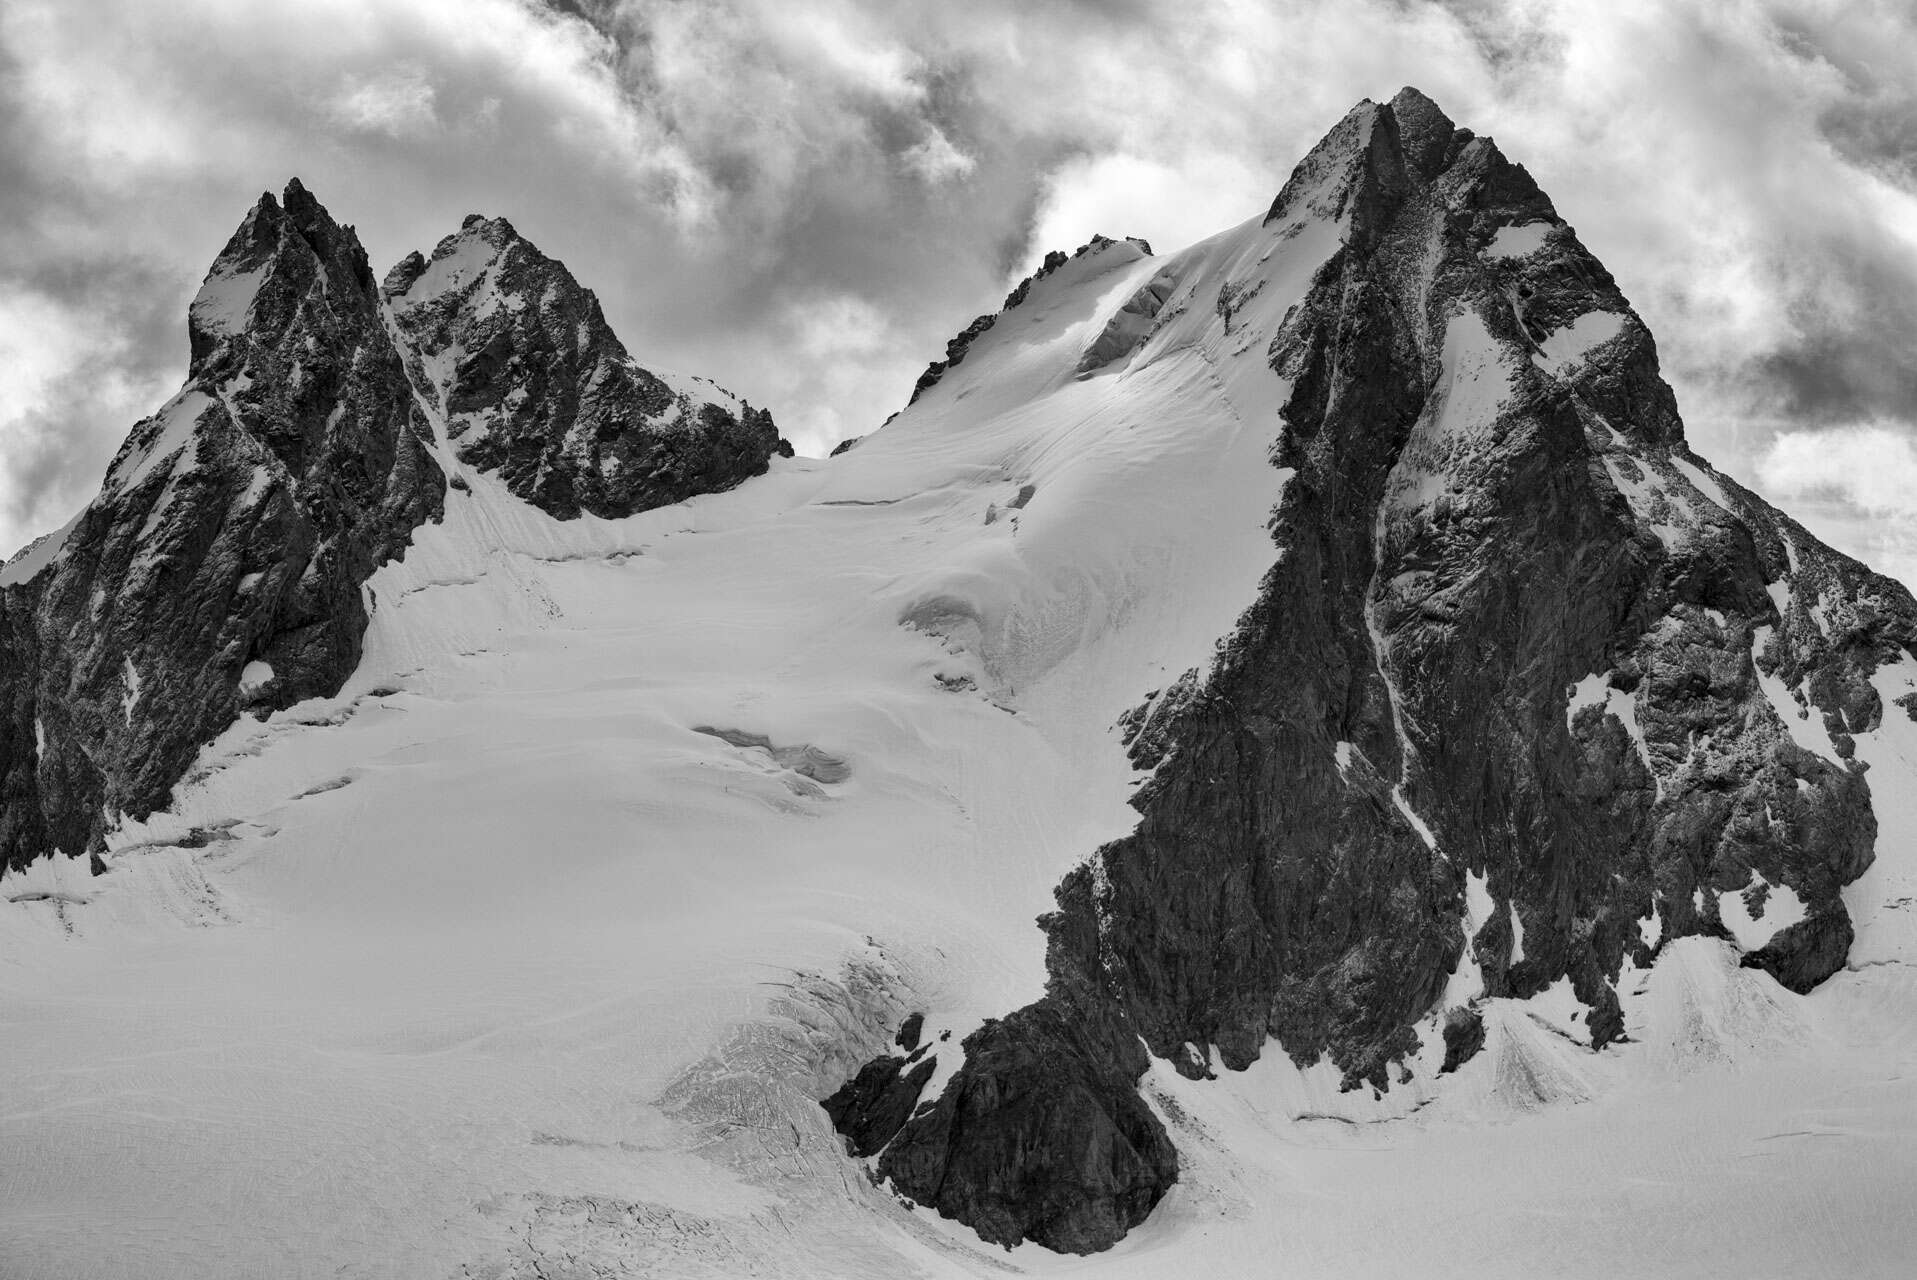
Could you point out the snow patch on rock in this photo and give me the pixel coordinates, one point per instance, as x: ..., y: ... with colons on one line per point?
x: 1781, y: 909
x: 1568, y: 346
x: 225, y: 300
x: 161, y: 440
x: 254, y: 678
x: 1519, y: 241
x: 1803, y: 719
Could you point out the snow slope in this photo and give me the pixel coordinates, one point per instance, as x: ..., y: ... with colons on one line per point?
x: 511, y: 961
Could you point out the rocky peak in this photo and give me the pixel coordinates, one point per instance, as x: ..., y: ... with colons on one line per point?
x: 284, y: 254
x: 220, y: 569
x: 1427, y: 138
x: 533, y: 384
x: 1529, y: 692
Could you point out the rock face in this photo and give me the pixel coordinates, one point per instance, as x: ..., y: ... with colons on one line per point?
x: 220, y: 569
x: 536, y: 386
x: 1531, y: 691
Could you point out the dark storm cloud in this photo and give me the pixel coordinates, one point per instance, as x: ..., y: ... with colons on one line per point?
x: 804, y: 198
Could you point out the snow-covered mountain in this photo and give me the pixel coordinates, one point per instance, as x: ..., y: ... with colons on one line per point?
x: 1470, y: 832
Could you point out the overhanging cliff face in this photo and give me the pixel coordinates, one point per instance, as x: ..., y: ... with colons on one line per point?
x: 221, y: 569
x: 1530, y: 690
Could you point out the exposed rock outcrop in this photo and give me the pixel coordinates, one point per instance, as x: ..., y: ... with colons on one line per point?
x: 1040, y: 1135
x: 1524, y: 663
x: 872, y: 1106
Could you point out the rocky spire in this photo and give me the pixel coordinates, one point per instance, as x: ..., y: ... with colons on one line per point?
x: 1427, y: 139
x: 535, y: 386
x: 219, y: 568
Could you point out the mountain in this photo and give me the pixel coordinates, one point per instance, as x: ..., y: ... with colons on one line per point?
x: 1531, y: 692
x: 1468, y: 831
x: 219, y: 571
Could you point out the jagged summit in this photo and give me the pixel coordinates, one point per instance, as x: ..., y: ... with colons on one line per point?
x: 1407, y: 142
x: 533, y: 384
x: 1427, y: 135
x: 219, y: 567
x: 282, y: 248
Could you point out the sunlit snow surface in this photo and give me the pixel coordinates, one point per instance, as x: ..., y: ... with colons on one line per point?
x: 496, y: 965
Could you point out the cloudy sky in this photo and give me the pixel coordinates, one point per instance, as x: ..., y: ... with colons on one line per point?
x: 804, y: 198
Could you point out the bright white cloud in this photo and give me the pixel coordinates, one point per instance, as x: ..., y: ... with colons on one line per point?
x: 38, y: 339
x: 1170, y: 205
x: 1871, y: 467
x: 1853, y: 486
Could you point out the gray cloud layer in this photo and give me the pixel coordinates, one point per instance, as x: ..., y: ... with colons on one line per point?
x: 804, y: 198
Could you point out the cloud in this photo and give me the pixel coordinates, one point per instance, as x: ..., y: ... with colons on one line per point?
x: 398, y: 103
x: 804, y: 198
x: 936, y: 160
x: 1869, y: 467
x: 1113, y: 193
x: 1855, y: 486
